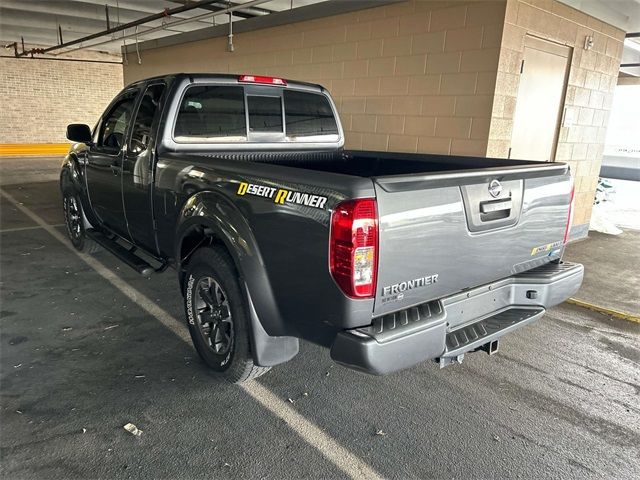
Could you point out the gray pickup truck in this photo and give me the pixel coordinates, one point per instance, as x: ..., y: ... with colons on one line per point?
x: 241, y: 183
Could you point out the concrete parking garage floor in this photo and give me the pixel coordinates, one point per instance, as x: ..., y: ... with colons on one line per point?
x: 81, y: 356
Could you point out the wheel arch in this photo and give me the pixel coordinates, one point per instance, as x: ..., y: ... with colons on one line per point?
x: 72, y: 176
x: 70, y: 173
x: 210, y: 219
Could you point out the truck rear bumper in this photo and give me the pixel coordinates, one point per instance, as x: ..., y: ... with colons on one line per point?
x: 447, y: 328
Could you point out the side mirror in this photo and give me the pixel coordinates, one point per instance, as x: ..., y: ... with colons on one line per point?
x: 79, y: 132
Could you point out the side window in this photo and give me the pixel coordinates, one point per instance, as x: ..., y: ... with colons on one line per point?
x: 265, y: 114
x: 213, y: 113
x: 114, y: 123
x: 308, y: 114
x: 95, y: 134
x: 147, y: 111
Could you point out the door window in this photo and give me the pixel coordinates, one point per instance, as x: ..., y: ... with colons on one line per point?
x: 114, y: 124
x: 147, y: 111
x: 95, y: 134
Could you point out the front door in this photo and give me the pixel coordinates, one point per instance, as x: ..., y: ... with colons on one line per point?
x: 543, y: 81
x: 104, y: 164
x: 137, y: 169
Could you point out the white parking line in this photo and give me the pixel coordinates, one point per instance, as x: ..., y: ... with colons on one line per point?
x: 346, y: 461
x: 22, y: 229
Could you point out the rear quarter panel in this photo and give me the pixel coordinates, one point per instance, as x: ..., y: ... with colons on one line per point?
x: 281, y: 248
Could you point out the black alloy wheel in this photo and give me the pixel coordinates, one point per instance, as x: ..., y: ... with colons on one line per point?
x: 214, y: 315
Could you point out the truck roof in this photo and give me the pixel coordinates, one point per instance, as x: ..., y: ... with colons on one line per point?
x: 231, y: 77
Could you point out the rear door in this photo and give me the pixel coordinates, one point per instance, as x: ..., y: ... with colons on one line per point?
x: 104, y: 163
x: 441, y: 234
x: 137, y: 168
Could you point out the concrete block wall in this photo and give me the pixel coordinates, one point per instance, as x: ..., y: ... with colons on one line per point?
x: 41, y: 96
x: 416, y: 76
x: 593, y: 76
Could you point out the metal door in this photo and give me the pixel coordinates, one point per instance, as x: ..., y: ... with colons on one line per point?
x: 541, y: 93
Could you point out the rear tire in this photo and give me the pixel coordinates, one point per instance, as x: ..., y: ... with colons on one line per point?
x: 217, y: 316
x: 74, y: 221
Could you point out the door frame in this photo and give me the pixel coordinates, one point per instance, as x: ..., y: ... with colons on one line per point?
x: 97, y: 149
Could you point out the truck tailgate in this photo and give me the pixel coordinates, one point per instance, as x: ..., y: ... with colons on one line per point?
x: 444, y: 233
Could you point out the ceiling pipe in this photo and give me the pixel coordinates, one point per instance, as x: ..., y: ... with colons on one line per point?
x: 169, y: 25
x: 54, y: 59
x: 149, y: 18
x: 247, y: 13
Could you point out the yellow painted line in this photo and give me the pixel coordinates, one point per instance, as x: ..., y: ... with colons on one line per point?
x: 606, y: 311
x: 33, y: 149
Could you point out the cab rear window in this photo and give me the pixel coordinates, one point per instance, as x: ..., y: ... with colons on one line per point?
x: 308, y: 114
x: 212, y: 113
x: 265, y: 113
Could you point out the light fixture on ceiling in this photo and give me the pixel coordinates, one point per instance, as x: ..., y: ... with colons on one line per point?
x: 230, y: 44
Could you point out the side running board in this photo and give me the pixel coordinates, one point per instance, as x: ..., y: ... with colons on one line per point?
x: 128, y: 256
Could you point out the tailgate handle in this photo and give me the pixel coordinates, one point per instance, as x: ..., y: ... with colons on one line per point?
x: 495, y: 206
x: 495, y: 209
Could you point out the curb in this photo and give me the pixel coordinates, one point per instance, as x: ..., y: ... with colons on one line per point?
x: 606, y: 311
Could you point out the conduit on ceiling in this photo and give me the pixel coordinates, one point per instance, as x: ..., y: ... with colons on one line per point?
x: 212, y: 5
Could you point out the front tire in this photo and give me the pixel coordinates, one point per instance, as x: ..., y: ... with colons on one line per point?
x: 217, y: 316
x: 74, y: 221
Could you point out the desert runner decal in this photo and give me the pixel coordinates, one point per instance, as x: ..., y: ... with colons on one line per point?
x: 546, y: 248
x: 281, y: 195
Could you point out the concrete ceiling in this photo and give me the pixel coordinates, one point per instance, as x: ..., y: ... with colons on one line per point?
x: 38, y: 22
x: 624, y: 14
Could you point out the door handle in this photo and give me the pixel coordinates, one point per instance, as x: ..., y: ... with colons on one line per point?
x: 115, y: 168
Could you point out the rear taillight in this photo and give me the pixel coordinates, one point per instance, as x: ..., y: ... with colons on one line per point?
x: 262, y: 79
x: 569, y: 216
x: 353, y: 247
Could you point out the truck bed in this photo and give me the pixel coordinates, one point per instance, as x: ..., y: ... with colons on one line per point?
x: 375, y: 164
x: 438, y: 219
x: 379, y: 164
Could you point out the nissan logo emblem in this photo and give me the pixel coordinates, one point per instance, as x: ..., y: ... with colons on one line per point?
x: 495, y: 188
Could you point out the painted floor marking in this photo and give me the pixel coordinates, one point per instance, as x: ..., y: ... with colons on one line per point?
x: 604, y: 310
x: 22, y: 229
x: 342, y: 458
